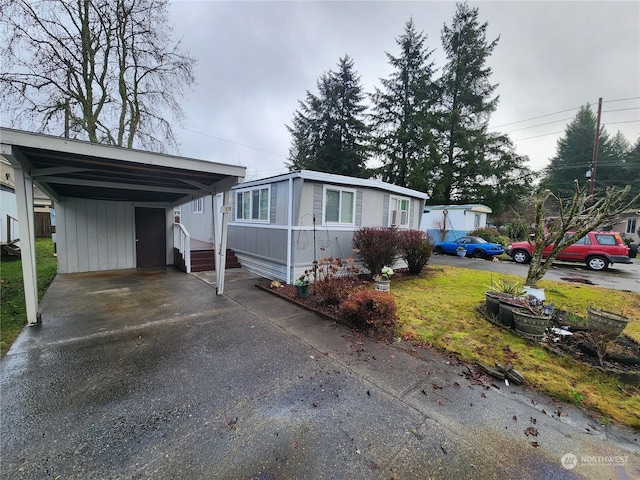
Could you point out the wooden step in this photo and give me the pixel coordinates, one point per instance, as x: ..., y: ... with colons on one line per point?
x: 203, y: 260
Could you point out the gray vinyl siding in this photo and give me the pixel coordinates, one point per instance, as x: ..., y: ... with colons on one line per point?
x: 261, y: 242
x: 199, y: 225
x: 262, y: 249
x: 96, y: 235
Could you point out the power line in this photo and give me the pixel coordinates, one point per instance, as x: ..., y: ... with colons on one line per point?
x: 233, y: 142
x: 568, y: 110
x: 535, y: 118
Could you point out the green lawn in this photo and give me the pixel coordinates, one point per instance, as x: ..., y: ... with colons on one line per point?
x: 13, y: 315
x: 440, y: 309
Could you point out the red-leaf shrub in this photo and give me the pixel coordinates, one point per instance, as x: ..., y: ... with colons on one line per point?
x: 331, y: 277
x: 376, y: 247
x: 416, y: 248
x: 371, y: 310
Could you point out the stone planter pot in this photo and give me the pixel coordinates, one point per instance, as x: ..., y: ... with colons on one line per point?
x: 383, y: 285
x: 606, y: 322
x: 529, y: 324
x: 303, y: 291
x: 505, y: 310
x: 493, y: 302
x: 461, y: 253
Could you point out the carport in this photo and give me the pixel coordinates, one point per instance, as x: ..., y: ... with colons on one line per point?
x: 114, y: 206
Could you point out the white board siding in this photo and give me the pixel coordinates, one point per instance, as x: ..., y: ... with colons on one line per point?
x: 95, y: 235
x: 199, y: 225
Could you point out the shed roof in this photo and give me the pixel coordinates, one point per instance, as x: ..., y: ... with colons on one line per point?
x: 64, y: 167
x: 336, y: 180
x: 475, y: 207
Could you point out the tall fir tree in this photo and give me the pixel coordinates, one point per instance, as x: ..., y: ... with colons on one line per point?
x: 402, y: 114
x: 631, y: 170
x: 466, y: 106
x: 329, y: 133
x: 574, y: 157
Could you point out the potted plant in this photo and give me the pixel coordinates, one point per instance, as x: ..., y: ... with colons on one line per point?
x: 500, y: 290
x: 461, y: 251
x: 510, y: 297
x: 302, y: 285
x: 383, y: 279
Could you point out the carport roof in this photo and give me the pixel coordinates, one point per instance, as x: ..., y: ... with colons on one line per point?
x: 63, y: 167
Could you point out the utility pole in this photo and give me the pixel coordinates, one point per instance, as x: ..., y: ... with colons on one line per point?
x: 596, y: 143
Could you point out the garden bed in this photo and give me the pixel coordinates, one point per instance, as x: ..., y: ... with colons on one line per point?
x: 623, y: 354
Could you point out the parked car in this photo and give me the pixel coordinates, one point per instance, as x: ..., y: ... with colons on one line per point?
x: 475, y: 246
x: 597, y: 250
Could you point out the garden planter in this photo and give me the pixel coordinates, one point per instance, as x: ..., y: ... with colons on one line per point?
x: 493, y: 303
x: 505, y: 310
x: 302, y: 291
x: 461, y: 253
x: 530, y: 325
x: 606, y: 322
x: 383, y: 285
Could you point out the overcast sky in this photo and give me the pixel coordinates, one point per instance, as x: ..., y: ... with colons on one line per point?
x: 256, y: 60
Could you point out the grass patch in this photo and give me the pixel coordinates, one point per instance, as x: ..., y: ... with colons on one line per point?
x: 439, y: 308
x: 13, y: 313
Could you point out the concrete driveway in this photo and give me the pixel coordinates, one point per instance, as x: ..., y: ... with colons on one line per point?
x: 147, y: 374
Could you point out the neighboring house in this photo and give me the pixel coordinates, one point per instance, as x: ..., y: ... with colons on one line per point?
x: 42, y: 206
x: 8, y: 206
x: 282, y: 224
x: 448, y: 222
x: 628, y: 224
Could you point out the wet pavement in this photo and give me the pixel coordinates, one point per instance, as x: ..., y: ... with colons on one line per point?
x: 619, y: 276
x: 149, y: 374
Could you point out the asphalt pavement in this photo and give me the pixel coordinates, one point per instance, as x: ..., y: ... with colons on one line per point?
x: 619, y: 276
x: 150, y: 375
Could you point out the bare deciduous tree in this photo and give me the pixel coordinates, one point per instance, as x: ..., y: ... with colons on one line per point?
x: 577, y: 215
x: 102, y: 70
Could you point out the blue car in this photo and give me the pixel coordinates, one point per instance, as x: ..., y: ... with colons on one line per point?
x: 474, y: 246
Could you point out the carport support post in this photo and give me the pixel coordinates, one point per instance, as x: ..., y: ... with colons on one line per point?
x: 225, y: 210
x: 24, y: 200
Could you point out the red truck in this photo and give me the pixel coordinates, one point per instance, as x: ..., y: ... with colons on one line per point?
x: 597, y: 250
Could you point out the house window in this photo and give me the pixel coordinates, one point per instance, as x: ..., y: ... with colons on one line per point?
x: 476, y: 221
x: 197, y: 205
x: 399, y: 212
x: 631, y: 225
x: 339, y: 205
x: 253, y: 205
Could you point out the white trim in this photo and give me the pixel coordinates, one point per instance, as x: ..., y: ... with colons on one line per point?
x: 340, y: 190
x: 336, y: 180
x: 391, y: 209
x: 97, y: 150
x: 289, y: 230
x: 236, y: 204
x: 197, y: 206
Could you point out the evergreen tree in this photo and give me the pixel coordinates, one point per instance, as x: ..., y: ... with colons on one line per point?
x: 574, y: 157
x: 328, y: 130
x: 402, y: 111
x: 631, y: 170
x: 467, y: 104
